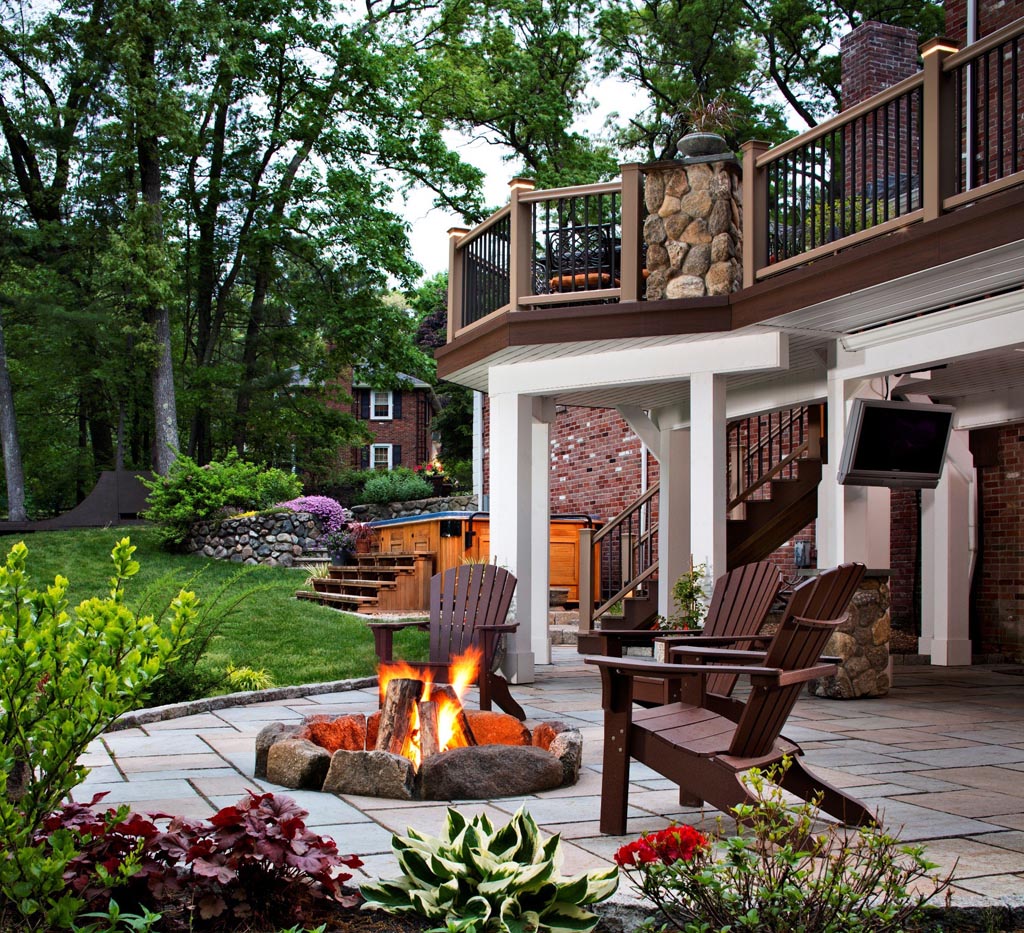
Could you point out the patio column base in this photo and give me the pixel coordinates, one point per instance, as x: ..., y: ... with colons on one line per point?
x: 862, y: 645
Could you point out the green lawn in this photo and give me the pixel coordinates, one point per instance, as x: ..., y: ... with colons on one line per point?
x: 295, y: 641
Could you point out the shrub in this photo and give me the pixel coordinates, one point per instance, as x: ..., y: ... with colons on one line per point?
x: 65, y: 676
x: 778, y: 875
x: 185, y: 677
x: 397, y: 485
x: 248, y: 678
x: 479, y: 878
x: 252, y: 860
x: 190, y: 493
x: 330, y: 512
x: 689, y: 600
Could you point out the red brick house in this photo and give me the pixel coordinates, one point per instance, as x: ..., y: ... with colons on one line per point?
x: 399, y: 419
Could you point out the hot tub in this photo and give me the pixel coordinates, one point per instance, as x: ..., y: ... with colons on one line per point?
x: 453, y: 537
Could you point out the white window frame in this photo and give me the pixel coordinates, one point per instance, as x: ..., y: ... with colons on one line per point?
x: 375, y: 397
x: 373, y: 458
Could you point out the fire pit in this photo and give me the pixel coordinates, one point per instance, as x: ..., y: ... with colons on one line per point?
x: 421, y: 745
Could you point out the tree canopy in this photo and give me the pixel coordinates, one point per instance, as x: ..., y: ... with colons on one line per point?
x: 197, y: 221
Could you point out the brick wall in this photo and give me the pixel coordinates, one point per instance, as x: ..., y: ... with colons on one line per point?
x: 991, y: 16
x: 904, y: 526
x: 1000, y: 591
x: 411, y: 431
x: 876, y: 56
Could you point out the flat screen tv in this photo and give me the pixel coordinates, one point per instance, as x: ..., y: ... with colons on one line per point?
x: 895, y: 444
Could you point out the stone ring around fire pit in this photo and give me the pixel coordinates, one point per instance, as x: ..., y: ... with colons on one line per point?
x: 343, y: 756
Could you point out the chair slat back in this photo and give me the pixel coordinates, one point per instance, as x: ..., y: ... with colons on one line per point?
x: 798, y: 644
x: 463, y: 598
x: 739, y: 603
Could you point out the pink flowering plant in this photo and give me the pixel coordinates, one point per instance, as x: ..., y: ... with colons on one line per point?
x: 783, y: 870
x: 331, y: 512
x: 431, y: 468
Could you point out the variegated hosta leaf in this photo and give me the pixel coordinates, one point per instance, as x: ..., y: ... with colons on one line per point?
x: 454, y: 823
x: 567, y: 918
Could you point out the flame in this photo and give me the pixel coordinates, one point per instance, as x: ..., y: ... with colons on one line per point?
x: 462, y: 673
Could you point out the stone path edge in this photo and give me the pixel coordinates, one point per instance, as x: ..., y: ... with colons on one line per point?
x: 141, y: 717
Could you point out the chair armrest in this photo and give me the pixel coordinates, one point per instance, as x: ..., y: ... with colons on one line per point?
x: 640, y: 667
x: 396, y: 626
x: 674, y: 640
x: 718, y: 655
x: 505, y: 627
x: 383, y: 636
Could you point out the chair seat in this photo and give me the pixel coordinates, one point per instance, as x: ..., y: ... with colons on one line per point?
x: 699, y: 731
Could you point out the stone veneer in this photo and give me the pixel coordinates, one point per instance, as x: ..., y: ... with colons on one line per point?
x: 692, y: 230
x: 862, y: 646
x: 373, y: 512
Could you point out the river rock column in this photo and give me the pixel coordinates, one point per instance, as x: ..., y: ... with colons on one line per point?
x: 862, y: 646
x: 692, y: 230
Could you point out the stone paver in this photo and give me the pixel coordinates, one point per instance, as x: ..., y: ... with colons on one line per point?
x: 941, y: 757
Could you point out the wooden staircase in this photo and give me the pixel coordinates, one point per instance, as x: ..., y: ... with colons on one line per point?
x: 379, y: 582
x: 774, y: 471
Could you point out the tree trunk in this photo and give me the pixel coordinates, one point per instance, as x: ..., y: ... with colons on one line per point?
x: 165, y: 415
x: 9, y: 438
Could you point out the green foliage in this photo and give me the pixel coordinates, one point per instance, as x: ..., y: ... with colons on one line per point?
x: 191, y: 675
x: 115, y: 920
x: 503, y: 880
x: 248, y: 678
x: 461, y: 473
x: 65, y: 676
x: 190, y: 493
x: 398, y: 485
x: 689, y: 600
x: 778, y: 874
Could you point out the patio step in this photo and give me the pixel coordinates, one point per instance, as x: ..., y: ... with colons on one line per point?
x: 381, y: 582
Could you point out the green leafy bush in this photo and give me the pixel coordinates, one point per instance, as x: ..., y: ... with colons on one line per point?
x: 478, y: 878
x: 248, y: 678
x: 779, y: 875
x: 397, y: 485
x: 190, y: 493
x: 65, y: 676
x: 186, y: 676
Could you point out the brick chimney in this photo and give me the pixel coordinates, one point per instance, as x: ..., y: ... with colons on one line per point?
x: 876, y: 56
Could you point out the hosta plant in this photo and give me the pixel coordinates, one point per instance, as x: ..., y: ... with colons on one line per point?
x: 778, y: 873
x: 476, y: 877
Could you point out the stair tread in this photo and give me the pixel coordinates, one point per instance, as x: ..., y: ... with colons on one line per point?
x: 334, y: 597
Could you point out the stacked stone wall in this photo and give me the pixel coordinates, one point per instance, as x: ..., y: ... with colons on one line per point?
x: 272, y: 540
x: 692, y: 229
x: 373, y: 512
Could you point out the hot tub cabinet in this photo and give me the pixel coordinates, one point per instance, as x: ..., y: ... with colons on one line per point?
x: 453, y: 537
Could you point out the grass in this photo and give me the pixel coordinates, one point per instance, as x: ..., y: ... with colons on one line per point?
x: 296, y: 642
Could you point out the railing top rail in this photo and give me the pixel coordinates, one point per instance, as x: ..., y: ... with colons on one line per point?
x: 625, y: 513
x: 550, y: 194
x: 1009, y: 31
x: 841, y: 119
x: 483, y: 227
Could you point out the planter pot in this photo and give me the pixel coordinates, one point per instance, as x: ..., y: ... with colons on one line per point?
x: 343, y: 558
x: 442, y: 486
x: 702, y: 144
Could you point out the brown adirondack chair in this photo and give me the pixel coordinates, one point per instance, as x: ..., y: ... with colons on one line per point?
x: 705, y: 752
x: 740, y: 601
x: 824, y: 597
x: 468, y: 606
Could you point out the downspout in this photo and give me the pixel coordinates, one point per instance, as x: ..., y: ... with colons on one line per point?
x: 478, y: 449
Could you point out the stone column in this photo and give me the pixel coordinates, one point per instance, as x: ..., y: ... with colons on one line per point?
x: 861, y: 644
x: 692, y: 230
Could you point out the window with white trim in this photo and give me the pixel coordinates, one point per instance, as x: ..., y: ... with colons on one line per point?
x: 381, y: 405
x: 380, y: 456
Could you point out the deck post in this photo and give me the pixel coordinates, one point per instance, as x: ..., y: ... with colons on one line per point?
x: 586, y: 580
x: 938, y: 133
x: 631, y: 257
x: 755, y: 206
x: 455, y: 235
x: 521, y: 244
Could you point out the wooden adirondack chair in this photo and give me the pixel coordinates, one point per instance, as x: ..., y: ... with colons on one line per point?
x: 740, y: 601
x: 703, y: 751
x: 468, y: 606
x: 824, y: 597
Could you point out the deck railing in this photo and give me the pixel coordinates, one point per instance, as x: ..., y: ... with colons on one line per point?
x: 942, y: 138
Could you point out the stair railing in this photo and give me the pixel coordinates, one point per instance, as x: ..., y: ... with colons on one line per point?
x: 626, y: 554
x: 767, y: 447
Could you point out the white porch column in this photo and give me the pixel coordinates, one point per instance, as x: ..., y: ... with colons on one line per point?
x: 673, y: 513
x: 853, y: 521
x: 946, y: 538
x: 519, y: 540
x: 540, y: 530
x: 708, y: 456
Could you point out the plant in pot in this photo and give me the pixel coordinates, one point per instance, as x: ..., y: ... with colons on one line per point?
x: 433, y: 472
x: 709, y: 119
x: 343, y: 544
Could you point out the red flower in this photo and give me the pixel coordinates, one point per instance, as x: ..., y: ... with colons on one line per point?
x: 677, y: 843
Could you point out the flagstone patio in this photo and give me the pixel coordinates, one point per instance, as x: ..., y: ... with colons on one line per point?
x: 942, y: 756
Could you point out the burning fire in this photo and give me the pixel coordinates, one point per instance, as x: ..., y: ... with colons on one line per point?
x: 462, y: 673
